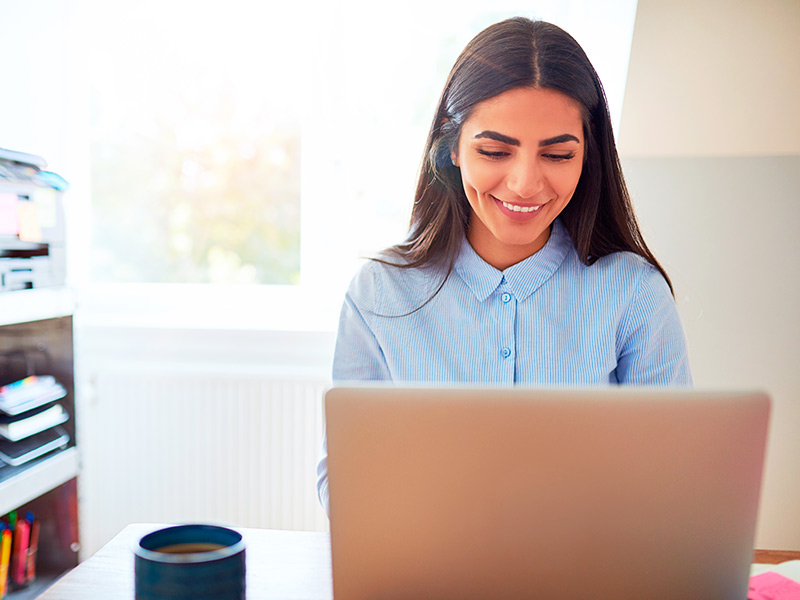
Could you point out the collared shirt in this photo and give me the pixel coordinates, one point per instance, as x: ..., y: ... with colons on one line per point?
x: 548, y: 320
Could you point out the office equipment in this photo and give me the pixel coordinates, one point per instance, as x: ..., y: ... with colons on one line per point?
x: 32, y: 248
x: 513, y: 492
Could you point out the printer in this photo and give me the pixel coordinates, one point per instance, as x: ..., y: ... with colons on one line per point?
x: 32, y: 239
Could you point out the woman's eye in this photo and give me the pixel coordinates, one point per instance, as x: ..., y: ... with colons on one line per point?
x: 559, y: 157
x: 492, y: 154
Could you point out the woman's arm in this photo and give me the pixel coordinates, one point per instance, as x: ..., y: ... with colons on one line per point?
x: 651, y: 342
x: 357, y: 357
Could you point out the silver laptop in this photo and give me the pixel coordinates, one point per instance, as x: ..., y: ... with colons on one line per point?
x: 612, y: 493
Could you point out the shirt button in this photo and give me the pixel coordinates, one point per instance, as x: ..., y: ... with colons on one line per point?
x: 506, y: 297
x: 505, y: 352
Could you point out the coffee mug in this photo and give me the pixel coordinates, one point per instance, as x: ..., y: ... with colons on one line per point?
x: 190, y: 561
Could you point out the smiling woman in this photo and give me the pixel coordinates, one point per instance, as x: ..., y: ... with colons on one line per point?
x: 518, y: 181
x: 524, y: 263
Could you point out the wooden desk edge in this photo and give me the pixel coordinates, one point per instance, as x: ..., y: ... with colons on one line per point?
x: 773, y: 557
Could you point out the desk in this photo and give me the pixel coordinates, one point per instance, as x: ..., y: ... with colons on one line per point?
x: 292, y: 565
x: 774, y: 557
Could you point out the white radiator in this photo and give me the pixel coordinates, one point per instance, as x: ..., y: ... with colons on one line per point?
x: 222, y: 448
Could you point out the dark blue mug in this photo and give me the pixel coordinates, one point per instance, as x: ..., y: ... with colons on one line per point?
x: 190, y: 561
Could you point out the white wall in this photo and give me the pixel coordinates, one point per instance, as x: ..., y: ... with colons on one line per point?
x: 713, y: 78
x: 710, y: 140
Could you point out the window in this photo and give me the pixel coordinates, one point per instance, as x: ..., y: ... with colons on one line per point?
x: 256, y: 143
x: 196, y: 144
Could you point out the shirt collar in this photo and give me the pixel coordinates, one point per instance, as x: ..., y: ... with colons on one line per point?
x: 523, y: 278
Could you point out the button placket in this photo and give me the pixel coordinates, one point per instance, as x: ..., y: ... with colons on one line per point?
x: 507, y: 338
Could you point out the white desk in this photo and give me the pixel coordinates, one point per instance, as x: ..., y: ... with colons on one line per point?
x: 291, y: 565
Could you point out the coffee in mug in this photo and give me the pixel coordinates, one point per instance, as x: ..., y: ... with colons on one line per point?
x: 198, y: 562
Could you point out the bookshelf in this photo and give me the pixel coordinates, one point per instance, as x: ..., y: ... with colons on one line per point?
x: 38, y: 325
x: 23, y: 484
x: 38, y: 474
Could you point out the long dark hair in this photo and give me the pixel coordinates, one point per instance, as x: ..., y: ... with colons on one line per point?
x: 517, y: 53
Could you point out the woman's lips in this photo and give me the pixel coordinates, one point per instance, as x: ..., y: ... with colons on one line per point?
x: 520, y: 208
x: 518, y: 212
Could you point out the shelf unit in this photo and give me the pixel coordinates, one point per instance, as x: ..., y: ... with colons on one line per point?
x: 37, y: 324
x: 22, y: 306
x: 30, y: 481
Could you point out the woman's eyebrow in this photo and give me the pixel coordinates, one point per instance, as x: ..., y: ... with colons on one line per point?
x: 493, y: 135
x: 559, y: 139
x: 499, y: 137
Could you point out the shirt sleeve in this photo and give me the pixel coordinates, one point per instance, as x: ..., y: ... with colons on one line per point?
x: 652, y: 344
x: 357, y: 356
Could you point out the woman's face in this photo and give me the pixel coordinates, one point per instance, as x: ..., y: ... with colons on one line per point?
x: 521, y: 155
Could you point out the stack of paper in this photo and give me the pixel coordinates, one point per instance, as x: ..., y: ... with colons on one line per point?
x: 28, y: 423
x: 29, y: 419
x: 29, y: 393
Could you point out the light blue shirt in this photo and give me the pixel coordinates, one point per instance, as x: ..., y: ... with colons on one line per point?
x: 548, y: 320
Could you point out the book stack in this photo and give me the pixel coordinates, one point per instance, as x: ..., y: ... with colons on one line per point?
x: 30, y: 417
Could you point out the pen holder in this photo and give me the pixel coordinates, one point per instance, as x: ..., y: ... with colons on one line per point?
x: 201, y: 562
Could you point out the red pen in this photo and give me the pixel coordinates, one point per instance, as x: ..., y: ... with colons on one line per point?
x: 19, y: 553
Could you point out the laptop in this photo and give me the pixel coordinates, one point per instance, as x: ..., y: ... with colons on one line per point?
x: 561, y: 494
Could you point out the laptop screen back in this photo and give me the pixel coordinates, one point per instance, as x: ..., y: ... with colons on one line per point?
x: 518, y: 493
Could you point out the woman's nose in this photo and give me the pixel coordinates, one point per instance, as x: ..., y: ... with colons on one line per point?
x: 526, y: 178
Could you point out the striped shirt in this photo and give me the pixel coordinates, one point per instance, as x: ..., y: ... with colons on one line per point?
x: 548, y: 320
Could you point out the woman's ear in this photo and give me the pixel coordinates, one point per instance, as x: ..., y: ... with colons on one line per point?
x: 454, y: 158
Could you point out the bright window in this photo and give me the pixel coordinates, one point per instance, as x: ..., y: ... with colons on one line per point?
x: 249, y: 142
x: 195, y: 144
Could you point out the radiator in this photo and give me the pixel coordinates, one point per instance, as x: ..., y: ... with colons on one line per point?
x: 221, y: 448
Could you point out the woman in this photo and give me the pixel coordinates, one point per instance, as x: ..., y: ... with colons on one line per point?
x: 524, y: 262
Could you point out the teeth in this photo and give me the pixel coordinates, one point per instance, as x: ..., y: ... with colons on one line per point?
x: 518, y: 208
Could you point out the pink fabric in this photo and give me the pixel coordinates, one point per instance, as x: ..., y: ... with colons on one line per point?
x: 771, y: 586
